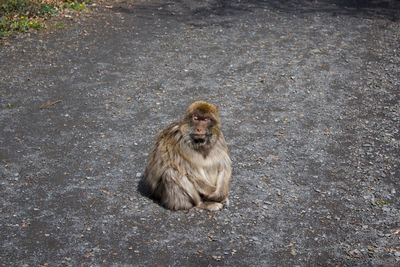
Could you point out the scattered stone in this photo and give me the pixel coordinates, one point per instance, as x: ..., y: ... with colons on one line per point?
x: 355, y: 253
x: 217, y: 258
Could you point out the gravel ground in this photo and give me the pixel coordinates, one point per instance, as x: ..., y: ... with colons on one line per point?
x: 309, y: 98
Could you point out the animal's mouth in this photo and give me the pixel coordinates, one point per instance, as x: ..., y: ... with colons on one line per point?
x: 199, y: 139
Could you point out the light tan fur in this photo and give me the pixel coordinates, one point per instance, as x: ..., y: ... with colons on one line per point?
x: 183, y: 174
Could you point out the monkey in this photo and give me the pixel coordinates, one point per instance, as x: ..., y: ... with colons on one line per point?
x: 190, y: 165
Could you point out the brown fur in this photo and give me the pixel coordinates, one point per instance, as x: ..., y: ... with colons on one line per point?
x: 182, y: 173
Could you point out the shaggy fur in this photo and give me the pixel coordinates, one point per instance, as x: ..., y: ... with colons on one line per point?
x: 183, y: 174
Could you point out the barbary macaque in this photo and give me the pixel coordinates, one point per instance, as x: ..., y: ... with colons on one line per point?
x: 190, y: 164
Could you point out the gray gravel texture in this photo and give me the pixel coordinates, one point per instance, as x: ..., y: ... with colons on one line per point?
x: 309, y: 96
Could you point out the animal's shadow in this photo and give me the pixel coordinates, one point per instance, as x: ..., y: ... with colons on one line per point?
x: 143, y: 189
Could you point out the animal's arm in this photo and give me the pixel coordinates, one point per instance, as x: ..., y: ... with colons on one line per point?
x: 223, y: 181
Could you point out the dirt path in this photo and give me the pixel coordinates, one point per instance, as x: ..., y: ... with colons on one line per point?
x: 309, y: 94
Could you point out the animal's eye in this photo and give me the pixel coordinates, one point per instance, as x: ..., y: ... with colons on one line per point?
x: 195, y: 118
x: 207, y: 119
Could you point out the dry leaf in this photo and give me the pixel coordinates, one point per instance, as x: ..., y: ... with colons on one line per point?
x: 49, y: 104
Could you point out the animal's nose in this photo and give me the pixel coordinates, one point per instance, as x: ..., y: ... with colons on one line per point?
x: 199, y: 130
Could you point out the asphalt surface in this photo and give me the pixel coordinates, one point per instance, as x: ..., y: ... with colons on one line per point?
x: 309, y: 98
